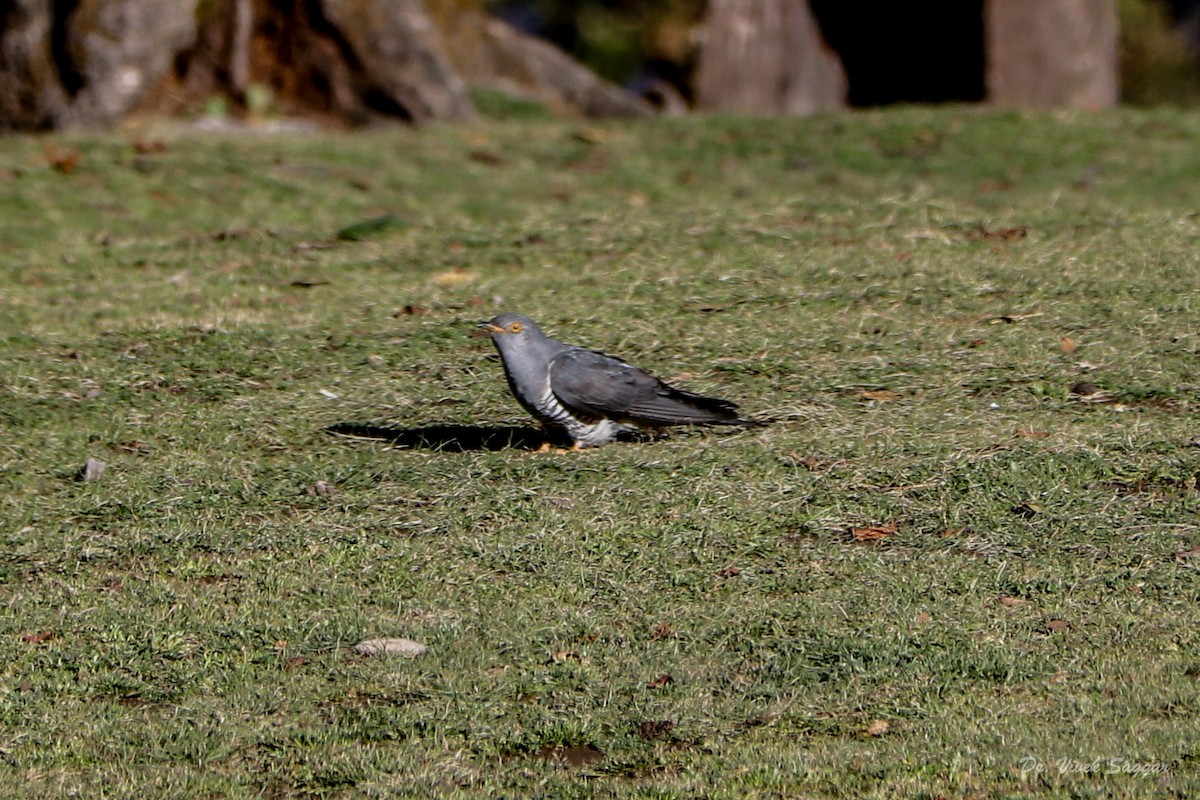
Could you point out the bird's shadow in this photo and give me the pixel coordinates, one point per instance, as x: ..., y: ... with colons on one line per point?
x: 446, y: 438
x: 465, y: 438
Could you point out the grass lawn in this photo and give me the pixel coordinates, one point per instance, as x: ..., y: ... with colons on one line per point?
x: 962, y: 562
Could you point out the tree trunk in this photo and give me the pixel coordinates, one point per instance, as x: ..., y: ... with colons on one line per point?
x: 767, y: 57
x: 491, y: 54
x: 88, y: 63
x: 1052, y: 53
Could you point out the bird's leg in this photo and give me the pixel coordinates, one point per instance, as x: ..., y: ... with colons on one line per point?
x: 547, y: 447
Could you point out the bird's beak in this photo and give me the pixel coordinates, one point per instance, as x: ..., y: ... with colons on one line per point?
x: 485, y: 329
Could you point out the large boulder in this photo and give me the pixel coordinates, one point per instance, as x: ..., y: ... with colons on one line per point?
x: 491, y: 54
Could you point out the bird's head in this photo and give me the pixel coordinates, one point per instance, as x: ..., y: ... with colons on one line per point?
x: 514, y: 333
x: 511, y: 329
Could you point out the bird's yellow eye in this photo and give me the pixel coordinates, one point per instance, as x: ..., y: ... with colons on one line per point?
x: 515, y: 327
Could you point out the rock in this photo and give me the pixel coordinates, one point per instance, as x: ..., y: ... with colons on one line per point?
x: 321, y: 489
x: 390, y: 647
x: 92, y: 470
x: 491, y: 54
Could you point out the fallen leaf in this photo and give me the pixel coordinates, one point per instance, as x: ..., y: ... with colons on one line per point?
x: 1010, y: 601
x: 1068, y: 345
x: 873, y: 533
x: 369, y: 228
x: 1056, y: 626
x: 758, y: 721
x: 880, y: 395
x: 589, y: 136
x: 924, y: 617
x: 303, y: 246
x: 148, y: 146
x: 486, y: 157
x: 1010, y: 318
x: 232, y: 234
x: 979, y: 232
x: 950, y: 533
x: 730, y: 572
x: 1184, y: 555
x: 655, y: 729
x: 38, y: 638
x: 563, y: 656
x: 877, y: 727
x: 292, y: 663
x: 412, y: 311
x: 577, y: 755
x: 454, y: 277
x: 663, y: 630
x: 388, y: 647
x: 476, y: 137
x: 810, y: 463
x: 995, y: 186
x: 660, y: 682
x: 64, y: 162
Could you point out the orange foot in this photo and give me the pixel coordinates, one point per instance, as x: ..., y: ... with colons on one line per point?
x: 549, y: 448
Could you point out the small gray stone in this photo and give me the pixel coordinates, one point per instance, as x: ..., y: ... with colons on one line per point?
x: 92, y: 470
x: 390, y: 647
x: 321, y: 489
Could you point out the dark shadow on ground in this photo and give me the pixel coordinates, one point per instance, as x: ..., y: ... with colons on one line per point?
x: 446, y: 438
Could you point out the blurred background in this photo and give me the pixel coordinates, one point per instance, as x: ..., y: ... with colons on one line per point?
x: 894, y: 52
x: 95, y: 63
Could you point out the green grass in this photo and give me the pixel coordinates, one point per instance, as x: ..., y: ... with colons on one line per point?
x: 912, y: 295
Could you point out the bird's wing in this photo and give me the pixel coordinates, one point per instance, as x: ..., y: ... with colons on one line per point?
x: 598, y: 385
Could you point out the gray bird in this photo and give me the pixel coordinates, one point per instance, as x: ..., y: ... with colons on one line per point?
x: 590, y: 396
